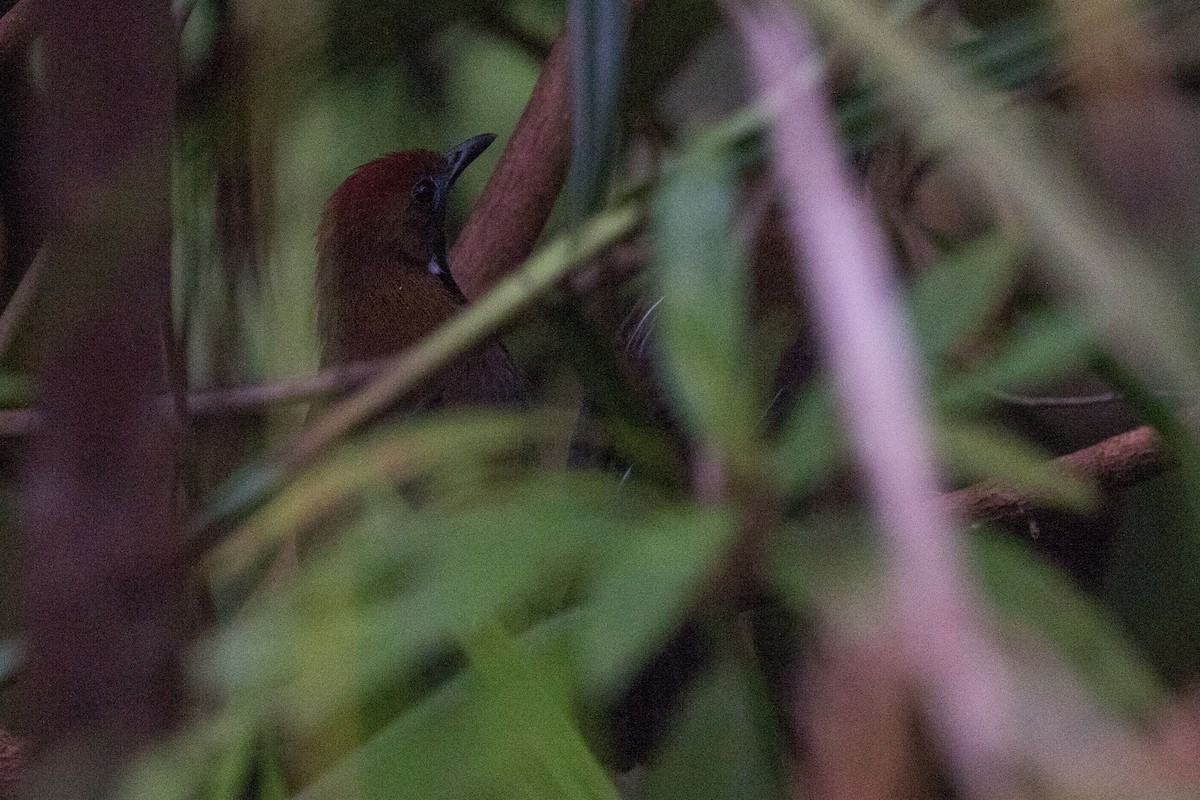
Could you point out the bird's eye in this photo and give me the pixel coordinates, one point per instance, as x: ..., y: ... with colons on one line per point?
x: 424, y: 190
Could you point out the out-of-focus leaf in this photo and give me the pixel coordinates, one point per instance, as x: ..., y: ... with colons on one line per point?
x: 14, y: 390
x: 811, y: 442
x: 271, y: 781
x: 537, y: 542
x: 1041, y: 349
x: 957, y: 296
x: 392, y: 594
x: 230, y: 775
x: 209, y: 759
x: 723, y: 743
x: 528, y: 723
x: 433, y: 751
x: 704, y: 324
x: 398, y: 453
x: 987, y: 453
x: 436, y: 749
x: 1153, y: 582
x: 643, y: 585
x: 1037, y: 596
x: 597, y: 29
x: 829, y: 567
x: 1119, y: 281
x: 1008, y: 54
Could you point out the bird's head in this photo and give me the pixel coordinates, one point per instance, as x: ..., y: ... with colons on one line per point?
x: 391, y: 212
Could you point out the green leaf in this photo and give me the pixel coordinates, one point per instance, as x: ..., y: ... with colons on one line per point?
x: 1159, y: 412
x: 398, y: 452
x: 811, y: 443
x: 1027, y: 591
x: 395, y: 590
x: 597, y: 30
x: 704, y: 320
x: 945, y: 305
x: 529, y: 724
x: 1011, y: 53
x: 1153, y: 580
x: 1042, y: 348
x: 988, y: 453
x: 439, y: 748
x: 829, y: 567
x: 230, y: 775
x: 961, y: 292
x: 644, y: 584
x: 722, y: 745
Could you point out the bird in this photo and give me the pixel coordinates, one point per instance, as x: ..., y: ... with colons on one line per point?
x: 383, y: 280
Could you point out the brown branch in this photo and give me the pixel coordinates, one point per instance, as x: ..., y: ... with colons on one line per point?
x: 17, y: 30
x: 245, y: 399
x: 1116, y: 463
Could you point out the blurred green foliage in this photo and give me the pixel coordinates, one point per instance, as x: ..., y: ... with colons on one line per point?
x: 461, y: 618
x: 439, y: 607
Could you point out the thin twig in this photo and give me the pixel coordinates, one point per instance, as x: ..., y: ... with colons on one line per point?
x: 239, y: 400
x: 1051, y: 401
x: 1116, y: 463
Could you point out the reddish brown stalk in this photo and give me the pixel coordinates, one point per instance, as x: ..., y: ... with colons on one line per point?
x: 1115, y: 463
x: 505, y: 224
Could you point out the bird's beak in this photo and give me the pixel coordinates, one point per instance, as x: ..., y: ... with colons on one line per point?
x: 457, y: 159
x: 459, y: 156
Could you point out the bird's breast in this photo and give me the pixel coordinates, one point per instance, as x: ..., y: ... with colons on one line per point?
x: 380, y: 315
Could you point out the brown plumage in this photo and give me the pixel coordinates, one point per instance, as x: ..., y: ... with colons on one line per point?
x: 383, y: 281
